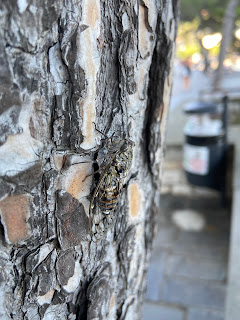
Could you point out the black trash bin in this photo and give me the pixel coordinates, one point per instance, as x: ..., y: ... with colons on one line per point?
x: 205, y: 144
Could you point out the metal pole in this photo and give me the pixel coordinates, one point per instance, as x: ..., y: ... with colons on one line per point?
x: 225, y: 119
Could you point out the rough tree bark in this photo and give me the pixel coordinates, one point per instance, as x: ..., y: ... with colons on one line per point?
x: 67, y: 66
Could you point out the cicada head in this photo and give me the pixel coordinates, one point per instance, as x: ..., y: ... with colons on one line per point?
x: 127, y: 145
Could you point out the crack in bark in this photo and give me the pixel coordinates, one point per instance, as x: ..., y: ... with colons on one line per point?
x: 158, y: 73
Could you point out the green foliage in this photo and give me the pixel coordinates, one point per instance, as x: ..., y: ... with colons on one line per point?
x: 198, y: 18
x: 215, y: 51
x: 187, y: 42
x: 210, y: 12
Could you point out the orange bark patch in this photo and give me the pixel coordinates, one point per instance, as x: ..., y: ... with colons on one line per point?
x: 89, y: 119
x: 144, y: 35
x: 14, y: 212
x: 58, y: 161
x: 135, y: 200
x: 76, y: 187
x: 112, y: 303
x: 92, y: 13
x: 74, y: 183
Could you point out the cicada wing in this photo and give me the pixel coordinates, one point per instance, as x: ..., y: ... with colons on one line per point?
x: 106, y: 197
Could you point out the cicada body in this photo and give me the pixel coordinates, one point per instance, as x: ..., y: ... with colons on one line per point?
x: 109, y: 192
x: 114, y: 169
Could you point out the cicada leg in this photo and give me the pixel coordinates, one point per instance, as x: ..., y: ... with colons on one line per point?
x: 91, y: 174
x: 106, y: 137
x: 94, y: 223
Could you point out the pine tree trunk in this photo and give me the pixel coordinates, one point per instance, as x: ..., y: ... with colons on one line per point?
x: 66, y: 68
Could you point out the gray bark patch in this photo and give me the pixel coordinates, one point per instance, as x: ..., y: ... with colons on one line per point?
x: 65, y: 267
x: 72, y: 220
x: 99, y: 292
x: 8, y: 123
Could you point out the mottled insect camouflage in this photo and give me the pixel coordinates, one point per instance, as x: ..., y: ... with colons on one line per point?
x: 114, y: 168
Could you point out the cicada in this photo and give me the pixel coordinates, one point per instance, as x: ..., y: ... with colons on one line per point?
x: 113, y: 170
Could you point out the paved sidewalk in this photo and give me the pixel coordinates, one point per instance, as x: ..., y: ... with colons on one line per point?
x: 232, y: 311
x: 188, y: 269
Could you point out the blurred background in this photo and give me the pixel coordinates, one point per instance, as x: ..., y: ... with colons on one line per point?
x: 194, y: 270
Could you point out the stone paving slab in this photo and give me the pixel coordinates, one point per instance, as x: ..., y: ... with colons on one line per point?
x: 188, y: 269
x: 171, y: 177
x: 165, y: 189
x: 193, y: 293
x: 155, y: 276
x: 171, y: 165
x: 174, y: 155
x: 233, y: 291
x: 159, y: 312
x: 165, y: 238
x: 182, y: 189
x: 201, y: 314
x: 196, y: 267
x: 185, y: 246
x: 202, y: 243
x: 205, y: 192
x: 210, y: 205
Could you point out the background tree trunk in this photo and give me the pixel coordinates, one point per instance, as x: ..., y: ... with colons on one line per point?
x: 227, y: 34
x: 67, y: 66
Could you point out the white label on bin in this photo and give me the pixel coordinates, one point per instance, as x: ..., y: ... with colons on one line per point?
x: 196, y: 159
